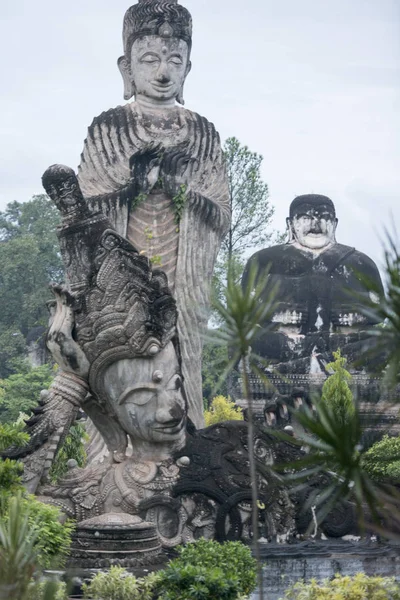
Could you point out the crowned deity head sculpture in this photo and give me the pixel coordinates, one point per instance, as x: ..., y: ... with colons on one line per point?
x: 157, y: 37
x: 116, y: 329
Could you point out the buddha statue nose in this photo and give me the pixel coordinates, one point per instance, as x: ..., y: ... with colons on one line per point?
x: 315, y: 225
x: 162, y: 74
x: 169, y: 410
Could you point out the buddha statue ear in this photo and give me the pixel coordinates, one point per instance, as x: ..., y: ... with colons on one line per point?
x: 179, y: 97
x: 125, y: 69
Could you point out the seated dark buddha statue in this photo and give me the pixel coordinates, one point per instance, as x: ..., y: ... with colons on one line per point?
x: 320, y: 282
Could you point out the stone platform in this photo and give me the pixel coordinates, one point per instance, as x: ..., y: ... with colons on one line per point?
x: 289, y: 563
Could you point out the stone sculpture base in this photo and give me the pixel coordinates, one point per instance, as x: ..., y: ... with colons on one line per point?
x: 114, y: 540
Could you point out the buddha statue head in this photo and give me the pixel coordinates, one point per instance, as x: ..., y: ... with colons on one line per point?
x: 157, y: 36
x: 312, y: 223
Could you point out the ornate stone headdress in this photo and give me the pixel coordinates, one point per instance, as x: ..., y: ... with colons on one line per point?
x: 122, y: 307
x: 165, y: 18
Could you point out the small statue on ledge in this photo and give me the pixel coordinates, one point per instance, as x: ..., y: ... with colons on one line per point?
x: 319, y: 280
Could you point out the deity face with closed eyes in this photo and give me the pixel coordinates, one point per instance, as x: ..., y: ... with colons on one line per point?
x: 146, y: 394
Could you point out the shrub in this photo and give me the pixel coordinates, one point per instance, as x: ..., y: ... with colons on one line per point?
x: 204, y: 570
x: 53, y: 536
x: 234, y: 559
x: 11, y: 471
x: 180, y: 582
x: 18, y: 555
x: 48, y: 590
x: 359, y: 587
x: 382, y: 460
x: 336, y: 392
x: 118, y: 584
x: 222, y: 409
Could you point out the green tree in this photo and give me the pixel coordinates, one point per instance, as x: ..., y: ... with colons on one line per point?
x: 250, y: 230
x: 336, y: 392
x: 222, y: 409
x: 251, y: 210
x: 29, y: 261
x: 240, y: 313
x: 249, y: 200
x: 20, y: 392
x: 73, y: 448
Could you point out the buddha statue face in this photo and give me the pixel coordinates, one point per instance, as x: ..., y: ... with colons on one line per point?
x: 146, y: 394
x: 156, y: 70
x: 313, y: 226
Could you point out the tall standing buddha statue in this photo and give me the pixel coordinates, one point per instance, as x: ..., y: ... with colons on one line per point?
x: 157, y: 171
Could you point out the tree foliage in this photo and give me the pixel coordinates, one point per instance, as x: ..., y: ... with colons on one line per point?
x: 10, y: 470
x: 29, y: 261
x: 72, y: 449
x: 359, y: 587
x: 222, y: 409
x: 336, y: 392
x: 251, y: 210
x: 382, y: 460
x: 20, y: 392
x: 384, y: 308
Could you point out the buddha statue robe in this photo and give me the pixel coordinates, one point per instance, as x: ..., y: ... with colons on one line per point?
x: 161, y: 181
x: 317, y: 310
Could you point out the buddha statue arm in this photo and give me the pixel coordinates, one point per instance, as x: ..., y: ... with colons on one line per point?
x: 119, y: 155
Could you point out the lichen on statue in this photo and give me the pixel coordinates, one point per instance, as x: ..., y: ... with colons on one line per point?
x: 157, y: 171
x: 320, y: 283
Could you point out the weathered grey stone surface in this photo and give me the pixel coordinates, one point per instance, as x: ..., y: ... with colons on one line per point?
x: 319, y: 280
x: 157, y: 171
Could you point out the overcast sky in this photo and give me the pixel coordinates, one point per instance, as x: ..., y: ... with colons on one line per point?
x: 312, y: 85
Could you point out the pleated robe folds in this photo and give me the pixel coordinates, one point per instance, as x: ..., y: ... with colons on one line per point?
x: 116, y: 141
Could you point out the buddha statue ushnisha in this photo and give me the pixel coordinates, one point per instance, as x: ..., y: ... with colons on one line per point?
x: 157, y: 171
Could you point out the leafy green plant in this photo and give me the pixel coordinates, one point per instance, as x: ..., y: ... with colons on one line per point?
x: 179, y: 202
x: 20, y: 392
x: 18, y: 551
x: 180, y: 582
x: 53, y: 537
x: 382, y: 460
x: 222, y: 409
x: 73, y: 448
x: 118, y: 584
x: 359, y: 587
x: 385, y: 308
x: 336, y: 454
x: 234, y: 559
x: 240, y: 314
x: 336, y: 392
x: 11, y: 471
x: 48, y: 590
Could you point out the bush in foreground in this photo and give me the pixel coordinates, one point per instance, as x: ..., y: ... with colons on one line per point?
x: 204, y: 570
x: 359, y: 587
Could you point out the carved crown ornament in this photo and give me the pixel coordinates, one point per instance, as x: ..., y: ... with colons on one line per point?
x: 121, y: 307
x: 165, y: 18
